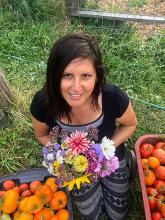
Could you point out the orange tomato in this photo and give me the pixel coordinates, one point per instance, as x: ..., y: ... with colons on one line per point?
x: 31, y: 204
x: 54, y: 217
x: 59, y: 200
x: 44, y: 214
x: 23, y: 216
x: 51, y: 183
x: 62, y: 214
x: 45, y: 193
x: 10, y: 201
x: 163, y: 210
x: 153, y: 162
x: 16, y: 213
x: 149, y: 177
x: 144, y: 163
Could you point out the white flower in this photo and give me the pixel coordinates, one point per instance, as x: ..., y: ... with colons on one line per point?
x: 108, y: 148
x: 50, y: 169
x: 44, y: 164
x: 50, y: 156
x: 59, y: 158
x: 48, y: 166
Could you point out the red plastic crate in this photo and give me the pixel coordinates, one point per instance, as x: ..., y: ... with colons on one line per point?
x: 152, y: 139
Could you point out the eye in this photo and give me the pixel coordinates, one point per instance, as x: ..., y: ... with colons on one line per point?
x: 67, y: 75
x: 86, y: 75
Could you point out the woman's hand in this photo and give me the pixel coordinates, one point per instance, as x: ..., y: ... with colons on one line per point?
x: 127, y: 125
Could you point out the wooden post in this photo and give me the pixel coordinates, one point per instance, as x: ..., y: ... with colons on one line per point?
x: 6, y: 101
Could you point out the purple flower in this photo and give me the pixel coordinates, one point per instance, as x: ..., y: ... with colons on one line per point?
x: 115, y: 163
x: 98, y: 168
x: 109, y: 166
x: 55, y: 132
x: 62, y: 152
x: 45, y: 152
x: 98, y: 150
x: 56, y: 147
x: 93, y: 133
x: 63, y: 134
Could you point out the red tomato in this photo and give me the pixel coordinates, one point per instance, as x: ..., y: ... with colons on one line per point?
x: 146, y: 150
x: 35, y: 185
x: 161, y: 197
x: 17, y: 189
x: 160, y: 186
x: 8, y: 184
x: 160, y: 144
x: 151, y: 191
x: 152, y: 203
x: 160, y: 200
x: 2, y: 193
x: 24, y: 186
x: 26, y: 193
x: 160, y: 172
x: 156, y: 215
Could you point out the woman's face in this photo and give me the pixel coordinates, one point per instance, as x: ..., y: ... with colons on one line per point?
x: 78, y: 81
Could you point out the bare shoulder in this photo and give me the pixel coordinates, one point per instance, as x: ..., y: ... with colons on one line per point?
x: 40, y: 128
x: 129, y: 116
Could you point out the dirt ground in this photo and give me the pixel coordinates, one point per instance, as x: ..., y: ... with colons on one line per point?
x: 152, y: 7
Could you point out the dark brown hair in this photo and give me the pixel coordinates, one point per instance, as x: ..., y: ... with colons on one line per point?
x: 67, y: 48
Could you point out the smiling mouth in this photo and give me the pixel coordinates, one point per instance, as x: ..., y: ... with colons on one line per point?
x: 74, y: 95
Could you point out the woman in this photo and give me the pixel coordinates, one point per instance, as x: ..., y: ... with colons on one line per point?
x: 75, y: 97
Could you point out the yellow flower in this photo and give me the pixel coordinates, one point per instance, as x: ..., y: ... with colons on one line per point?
x: 56, y: 166
x: 64, y: 145
x: 80, y: 163
x: 69, y: 158
x: 77, y: 182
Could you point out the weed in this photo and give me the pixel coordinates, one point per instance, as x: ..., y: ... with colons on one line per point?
x: 26, y: 38
x: 136, y: 3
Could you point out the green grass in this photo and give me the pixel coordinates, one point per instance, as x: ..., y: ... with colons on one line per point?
x: 117, y: 7
x: 135, y: 65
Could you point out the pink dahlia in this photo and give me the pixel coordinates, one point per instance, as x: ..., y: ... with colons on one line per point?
x: 78, y: 142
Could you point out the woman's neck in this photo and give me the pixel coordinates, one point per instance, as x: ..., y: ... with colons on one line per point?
x: 85, y: 114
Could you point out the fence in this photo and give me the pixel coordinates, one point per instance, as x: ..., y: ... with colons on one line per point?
x: 80, y: 8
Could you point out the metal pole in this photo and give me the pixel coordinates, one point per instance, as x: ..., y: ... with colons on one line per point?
x: 68, y: 4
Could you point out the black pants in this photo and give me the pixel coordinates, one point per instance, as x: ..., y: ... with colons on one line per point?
x: 109, y: 195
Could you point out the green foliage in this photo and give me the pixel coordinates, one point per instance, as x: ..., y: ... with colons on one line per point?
x: 90, y: 4
x: 136, y: 3
x: 36, y: 9
x: 26, y: 38
x: 114, y: 7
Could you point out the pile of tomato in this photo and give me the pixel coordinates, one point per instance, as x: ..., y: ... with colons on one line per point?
x: 153, y: 164
x: 33, y: 201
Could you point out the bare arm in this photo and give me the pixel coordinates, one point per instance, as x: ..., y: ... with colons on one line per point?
x: 41, y: 131
x: 127, y: 125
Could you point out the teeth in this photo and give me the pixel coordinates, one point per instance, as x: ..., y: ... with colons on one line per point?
x: 74, y: 94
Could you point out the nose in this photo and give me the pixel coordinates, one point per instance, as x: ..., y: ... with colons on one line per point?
x: 76, y: 84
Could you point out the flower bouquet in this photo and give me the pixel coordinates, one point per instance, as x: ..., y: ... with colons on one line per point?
x: 76, y: 158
